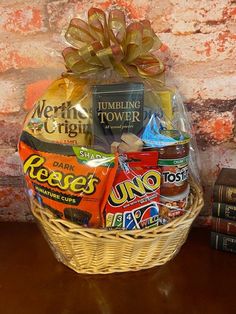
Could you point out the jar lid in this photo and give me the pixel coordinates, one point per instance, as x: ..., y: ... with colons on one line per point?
x: 179, y: 136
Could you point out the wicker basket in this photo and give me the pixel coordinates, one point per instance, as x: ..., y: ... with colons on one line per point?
x: 99, y: 251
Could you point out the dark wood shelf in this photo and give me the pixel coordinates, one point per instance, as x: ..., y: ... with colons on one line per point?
x: 198, y: 280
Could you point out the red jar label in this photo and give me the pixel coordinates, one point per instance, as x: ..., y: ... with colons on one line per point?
x: 174, y: 175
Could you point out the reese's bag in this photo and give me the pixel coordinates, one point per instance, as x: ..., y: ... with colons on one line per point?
x: 72, y: 182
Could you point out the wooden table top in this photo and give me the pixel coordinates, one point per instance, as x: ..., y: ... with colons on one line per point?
x: 198, y: 280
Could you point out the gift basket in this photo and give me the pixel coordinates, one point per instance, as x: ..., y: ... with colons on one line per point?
x: 108, y: 155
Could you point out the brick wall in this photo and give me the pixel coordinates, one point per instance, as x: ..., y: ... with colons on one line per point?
x: 199, y: 39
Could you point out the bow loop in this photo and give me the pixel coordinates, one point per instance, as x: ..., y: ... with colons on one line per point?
x: 98, y: 25
x: 117, y: 27
x: 78, y: 33
x: 133, y: 42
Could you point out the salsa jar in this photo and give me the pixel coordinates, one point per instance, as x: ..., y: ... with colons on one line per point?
x: 173, y: 161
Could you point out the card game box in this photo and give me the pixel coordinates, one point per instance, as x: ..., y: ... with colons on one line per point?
x: 135, y: 197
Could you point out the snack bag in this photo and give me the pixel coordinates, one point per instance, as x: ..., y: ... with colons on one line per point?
x: 135, y: 196
x: 63, y: 114
x: 72, y: 182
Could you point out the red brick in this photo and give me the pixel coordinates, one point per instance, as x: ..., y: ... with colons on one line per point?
x: 61, y: 12
x: 10, y: 132
x: 158, y: 15
x: 218, y: 156
x: 14, y: 59
x: 23, y: 19
x: 201, y: 84
x: 34, y: 91
x: 32, y: 52
x: 11, y: 96
x: 174, y: 16
x: 199, y: 16
x: 200, y: 47
x: 214, y: 127
x: 20, y: 88
x: 135, y: 9
x: 10, y: 164
x: 7, y: 193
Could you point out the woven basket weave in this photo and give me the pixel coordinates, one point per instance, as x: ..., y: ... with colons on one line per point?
x: 100, y: 251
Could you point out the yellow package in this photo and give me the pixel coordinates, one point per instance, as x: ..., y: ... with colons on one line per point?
x: 63, y: 114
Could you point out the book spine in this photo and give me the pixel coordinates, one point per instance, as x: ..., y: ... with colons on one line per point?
x: 224, y: 194
x: 222, y: 210
x: 223, y: 242
x: 224, y: 226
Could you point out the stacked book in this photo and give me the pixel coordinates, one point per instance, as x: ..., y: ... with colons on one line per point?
x: 223, y: 235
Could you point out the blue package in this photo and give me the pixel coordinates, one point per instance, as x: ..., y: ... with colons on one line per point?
x: 152, y: 137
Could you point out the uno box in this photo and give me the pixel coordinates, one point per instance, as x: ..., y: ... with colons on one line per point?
x: 135, y: 196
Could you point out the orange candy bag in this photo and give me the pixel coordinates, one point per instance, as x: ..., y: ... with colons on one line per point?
x: 72, y: 182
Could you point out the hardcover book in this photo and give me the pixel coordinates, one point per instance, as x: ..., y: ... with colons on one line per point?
x: 223, y: 242
x: 117, y: 109
x: 224, y: 226
x: 223, y: 210
x: 225, y: 186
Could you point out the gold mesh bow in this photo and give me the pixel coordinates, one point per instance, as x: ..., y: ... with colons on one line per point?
x: 108, y: 43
